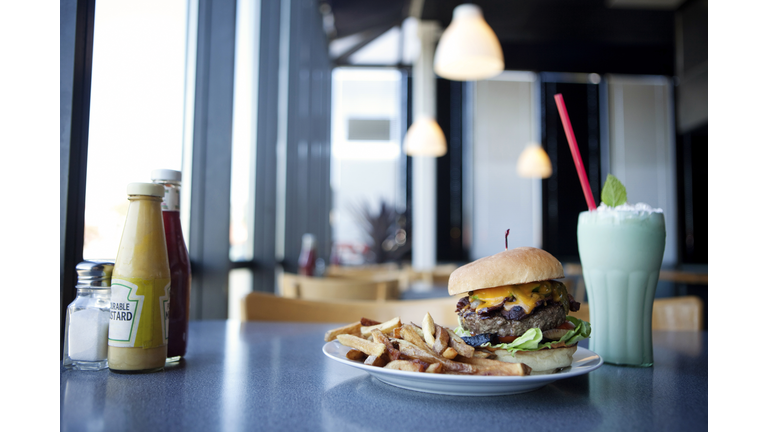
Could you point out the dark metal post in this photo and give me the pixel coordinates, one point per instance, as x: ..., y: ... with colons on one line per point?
x: 76, y: 53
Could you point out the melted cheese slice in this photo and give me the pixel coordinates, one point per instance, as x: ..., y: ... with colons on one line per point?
x: 525, y: 295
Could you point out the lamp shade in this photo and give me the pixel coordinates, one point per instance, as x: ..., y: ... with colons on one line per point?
x: 468, y: 49
x: 425, y: 138
x: 534, y: 163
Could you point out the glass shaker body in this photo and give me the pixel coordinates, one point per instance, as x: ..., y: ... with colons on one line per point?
x: 178, y: 261
x: 87, y: 318
x: 141, y: 280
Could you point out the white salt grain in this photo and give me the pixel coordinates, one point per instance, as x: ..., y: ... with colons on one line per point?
x: 88, y: 332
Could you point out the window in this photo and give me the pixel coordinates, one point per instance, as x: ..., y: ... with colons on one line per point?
x: 137, y: 109
x: 367, y: 158
x: 186, y: 96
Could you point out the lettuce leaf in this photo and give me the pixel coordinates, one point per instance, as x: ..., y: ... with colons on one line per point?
x: 531, y: 339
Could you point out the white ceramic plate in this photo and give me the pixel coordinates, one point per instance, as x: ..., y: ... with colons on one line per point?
x: 584, y: 361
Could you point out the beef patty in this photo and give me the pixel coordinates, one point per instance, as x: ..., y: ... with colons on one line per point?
x: 543, y: 317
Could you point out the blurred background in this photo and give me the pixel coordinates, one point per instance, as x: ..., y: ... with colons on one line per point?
x: 288, y: 117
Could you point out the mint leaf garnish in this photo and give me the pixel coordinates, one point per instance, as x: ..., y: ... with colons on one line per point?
x: 614, y: 194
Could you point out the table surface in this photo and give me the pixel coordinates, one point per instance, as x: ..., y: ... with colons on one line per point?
x: 274, y: 376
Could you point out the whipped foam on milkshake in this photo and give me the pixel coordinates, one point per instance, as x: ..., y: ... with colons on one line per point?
x: 626, y: 207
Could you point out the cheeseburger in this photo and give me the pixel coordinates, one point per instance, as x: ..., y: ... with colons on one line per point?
x: 514, y: 306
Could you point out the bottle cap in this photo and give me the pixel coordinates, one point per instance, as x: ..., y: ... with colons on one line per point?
x: 166, y: 174
x: 94, y: 273
x: 308, y: 240
x: 150, y: 189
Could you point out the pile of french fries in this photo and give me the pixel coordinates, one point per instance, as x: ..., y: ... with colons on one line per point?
x: 430, y: 348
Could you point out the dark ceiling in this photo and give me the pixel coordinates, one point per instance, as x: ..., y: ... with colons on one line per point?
x: 544, y: 35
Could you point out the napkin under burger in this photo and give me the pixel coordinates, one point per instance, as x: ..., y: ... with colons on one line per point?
x: 515, y: 306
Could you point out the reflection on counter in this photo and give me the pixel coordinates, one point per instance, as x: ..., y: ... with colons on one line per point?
x: 85, y: 393
x: 365, y: 403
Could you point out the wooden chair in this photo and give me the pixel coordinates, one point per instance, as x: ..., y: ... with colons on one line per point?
x: 258, y: 306
x: 676, y: 276
x: 366, y: 269
x: 330, y: 288
x: 438, y: 275
x: 372, y: 272
x: 678, y: 313
x: 675, y: 313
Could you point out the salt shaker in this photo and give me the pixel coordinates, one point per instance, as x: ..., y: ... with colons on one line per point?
x: 87, y: 320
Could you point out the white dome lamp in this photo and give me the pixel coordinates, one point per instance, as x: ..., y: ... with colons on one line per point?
x: 534, y: 163
x: 425, y: 138
x: 468, y: 50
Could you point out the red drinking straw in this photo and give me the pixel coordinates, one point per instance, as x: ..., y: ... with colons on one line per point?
x: 575, y: 151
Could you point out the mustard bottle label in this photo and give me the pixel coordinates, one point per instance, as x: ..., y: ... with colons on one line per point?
x: 139, y: 312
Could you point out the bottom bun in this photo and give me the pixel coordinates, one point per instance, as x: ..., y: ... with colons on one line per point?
x: 541, y: 362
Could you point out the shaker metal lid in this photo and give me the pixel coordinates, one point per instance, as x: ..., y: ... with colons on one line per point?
x: 94, y: 273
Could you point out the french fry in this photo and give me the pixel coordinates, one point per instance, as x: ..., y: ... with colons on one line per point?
x: 369, y: 322
x: 495, y: 367
x: 371, y: 348
x: 385, y: 327
x: 427, y: 355
x: 353, y: 329
x: 418, y: 330
x: 428, y: 328
x: 378, y: 336
x: 377, y: 361
x: 427, y: 348
x: 484, y: 354
x: 459, y: 345
x: 410, y: 334
x: 354, y: 354
x: 422, y: 364
x: 450, y: 353
x: 442, y: 339
x: 403, y: 365
x: 434, y: 368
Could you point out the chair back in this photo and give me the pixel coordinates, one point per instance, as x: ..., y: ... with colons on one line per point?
x: 337, y: 288
x: 259, y: 306
x: 684, y: 313
x: 678, y: 313
x: 437, y: 275
x: 371, y: 272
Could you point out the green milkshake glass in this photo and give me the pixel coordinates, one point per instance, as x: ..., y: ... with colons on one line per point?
x: 621, y: 249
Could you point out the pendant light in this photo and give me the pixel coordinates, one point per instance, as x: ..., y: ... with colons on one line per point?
x: 534, y: 163
x: 425, y: 138
x: 468, y: 50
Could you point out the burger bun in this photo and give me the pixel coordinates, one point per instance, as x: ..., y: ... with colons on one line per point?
x: 545, y: 361
x: 511, y: 267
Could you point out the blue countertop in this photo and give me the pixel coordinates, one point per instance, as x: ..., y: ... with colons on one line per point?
x: 274, y: 376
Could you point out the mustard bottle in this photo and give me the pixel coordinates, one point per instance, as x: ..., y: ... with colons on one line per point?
x: 141, y: 282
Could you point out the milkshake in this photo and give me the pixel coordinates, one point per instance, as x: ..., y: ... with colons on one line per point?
x: 621, y: 249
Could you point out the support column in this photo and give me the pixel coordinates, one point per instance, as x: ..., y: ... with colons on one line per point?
x: 424, y: 168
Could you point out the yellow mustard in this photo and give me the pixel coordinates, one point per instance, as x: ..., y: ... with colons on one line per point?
x: 138, y: 326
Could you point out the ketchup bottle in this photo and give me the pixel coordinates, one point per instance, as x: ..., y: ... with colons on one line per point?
x: 178, y: 261
x: 308, y: 255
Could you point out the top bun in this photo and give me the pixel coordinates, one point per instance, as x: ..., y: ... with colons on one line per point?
x: 511, y: 267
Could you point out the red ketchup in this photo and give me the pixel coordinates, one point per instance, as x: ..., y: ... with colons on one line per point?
x: 178, y: 261
x: 308, y: 255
